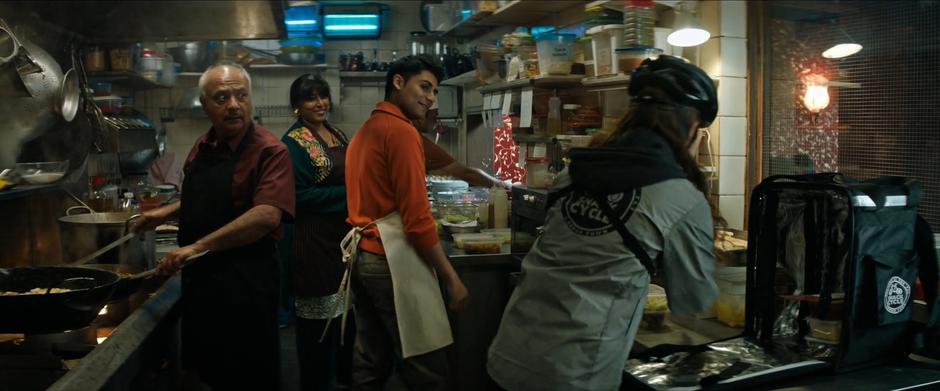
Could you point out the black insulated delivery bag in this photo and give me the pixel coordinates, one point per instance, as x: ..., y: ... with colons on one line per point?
x: 833, y: 266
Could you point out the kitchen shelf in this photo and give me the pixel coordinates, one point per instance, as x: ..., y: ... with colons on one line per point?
x: 566, y: 81
x: 25, y: 190
x: 286, y: 66
x: 168, y: 114
x: 361, y: 75
x: 516, y: 13
x: 471, y: 27
x: 528, y: 12
x: 533, y: 138
x: 617, y: 5
x: 606, y: 83
x: 462, y: 79
x: 132, y: 80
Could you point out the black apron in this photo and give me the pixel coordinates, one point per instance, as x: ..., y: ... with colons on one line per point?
x: 316, y: 258
x: 229, y: 301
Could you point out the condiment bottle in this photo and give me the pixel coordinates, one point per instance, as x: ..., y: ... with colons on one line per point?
x: 500, y: 201
x: 554, y: 116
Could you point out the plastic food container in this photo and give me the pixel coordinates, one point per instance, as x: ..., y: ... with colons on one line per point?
x: 108, y: 104
x: 827, y: 330
x: 458, y: 212
x: 460, y: 238
x: 556, y: 53
x: 629, y: 59
x: 101, y: 88
x: 604, y: 41
x: 731, y: 293
x: 655, y: 309
x: 536, y: 171
x: 503, y: 234
x: 487, y: 245
x: 487, y: 63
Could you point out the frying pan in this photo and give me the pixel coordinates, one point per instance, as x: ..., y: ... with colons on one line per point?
x: 52, y: 312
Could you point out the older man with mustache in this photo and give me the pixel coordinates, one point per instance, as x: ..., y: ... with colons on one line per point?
x: 238, y: 187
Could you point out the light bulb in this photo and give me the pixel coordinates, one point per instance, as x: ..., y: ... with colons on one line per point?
x: 689, y: 36
x: 816, y: 98
x: 842, y: 50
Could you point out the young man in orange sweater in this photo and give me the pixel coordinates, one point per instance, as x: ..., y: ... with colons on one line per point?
x: 399, y: 307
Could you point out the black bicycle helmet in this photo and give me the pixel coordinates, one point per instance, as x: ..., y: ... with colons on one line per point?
x: 684, y: 83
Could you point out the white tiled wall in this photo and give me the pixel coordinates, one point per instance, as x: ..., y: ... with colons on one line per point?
x: 724, y: 57
x: 353, y: 99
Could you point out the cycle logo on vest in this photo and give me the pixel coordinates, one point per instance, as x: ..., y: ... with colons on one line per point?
x: 897, y: 294
x: 585, y: 217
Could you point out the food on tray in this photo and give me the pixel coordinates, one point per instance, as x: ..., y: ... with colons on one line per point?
x: 167, y: 228
x: 481, y: 247
x: 35, y: 291
x: 457, y: 218
x: 656, y: 304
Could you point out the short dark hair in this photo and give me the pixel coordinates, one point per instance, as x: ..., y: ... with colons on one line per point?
x: 305, y: 86
x: 409, y: 66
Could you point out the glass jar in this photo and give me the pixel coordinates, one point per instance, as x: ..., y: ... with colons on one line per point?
x: 568, y: 112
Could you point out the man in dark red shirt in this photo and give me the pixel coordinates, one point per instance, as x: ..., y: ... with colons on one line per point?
x: 238, y: 187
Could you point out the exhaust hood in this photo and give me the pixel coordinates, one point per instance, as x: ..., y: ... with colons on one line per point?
x: 133, y: 21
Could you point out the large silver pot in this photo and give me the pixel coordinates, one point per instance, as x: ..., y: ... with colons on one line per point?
x: 82, y: 234
x: 193, y: 56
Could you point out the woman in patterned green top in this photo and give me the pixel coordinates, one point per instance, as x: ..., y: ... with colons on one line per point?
x: 318, y: 153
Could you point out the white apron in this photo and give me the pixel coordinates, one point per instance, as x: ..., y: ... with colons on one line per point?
x: 422, y: 319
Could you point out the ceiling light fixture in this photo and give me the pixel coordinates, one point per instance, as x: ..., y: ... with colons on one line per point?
x: 842, y: 50
x: 686, y: 30
x: 845, y: 46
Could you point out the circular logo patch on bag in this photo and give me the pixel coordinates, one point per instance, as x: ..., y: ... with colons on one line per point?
x: 585, y: 217
x: 896, y: 295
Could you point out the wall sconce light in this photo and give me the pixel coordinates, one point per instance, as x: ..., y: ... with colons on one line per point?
x: 816, y: 97
x: 687, y: 31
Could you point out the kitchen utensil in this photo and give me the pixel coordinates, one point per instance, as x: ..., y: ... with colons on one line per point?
x: 104, y: 249
x: 73, y: 284
x: 80, y: 202
x: 53, y: 312
x: 68, y: 98
x: 187, y: 262
x: 47, y: 93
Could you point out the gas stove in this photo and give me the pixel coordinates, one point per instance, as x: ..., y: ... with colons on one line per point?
x: 36, y: 361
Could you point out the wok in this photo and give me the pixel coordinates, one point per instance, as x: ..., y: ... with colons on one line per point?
x: 129, y: 281
x: 52, y: 312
